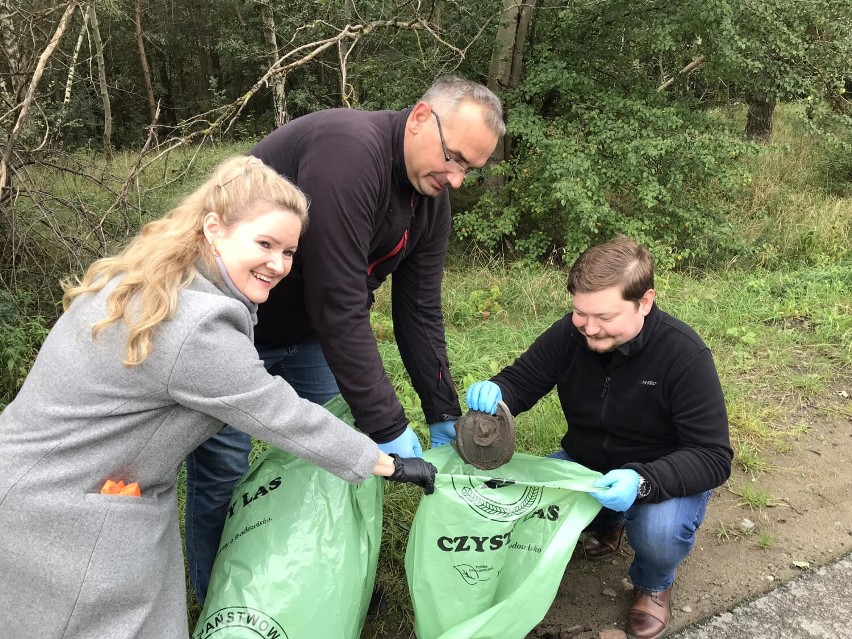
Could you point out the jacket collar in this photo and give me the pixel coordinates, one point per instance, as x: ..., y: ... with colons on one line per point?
x: 222, y: 281
x: 400, y: 174
x: 652, y: 320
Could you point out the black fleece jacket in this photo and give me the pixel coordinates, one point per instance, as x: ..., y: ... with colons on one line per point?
x: 653, y: 404
x: 366, y: 222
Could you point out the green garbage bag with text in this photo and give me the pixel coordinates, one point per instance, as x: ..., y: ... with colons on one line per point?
x: 487, y: 551
x: 298, y: 555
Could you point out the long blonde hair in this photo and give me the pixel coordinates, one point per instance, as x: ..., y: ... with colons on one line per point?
x: 158, y: 262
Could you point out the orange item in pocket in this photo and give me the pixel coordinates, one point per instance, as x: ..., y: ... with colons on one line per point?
x: 120, y: 488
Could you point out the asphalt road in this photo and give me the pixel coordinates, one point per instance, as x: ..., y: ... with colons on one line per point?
x: 817, y: 605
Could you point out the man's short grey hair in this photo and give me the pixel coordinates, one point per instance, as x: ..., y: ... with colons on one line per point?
x: 448, y: 92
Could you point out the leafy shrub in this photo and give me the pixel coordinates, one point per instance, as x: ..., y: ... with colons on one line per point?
x: 604, y: 163
x: 20, y: 339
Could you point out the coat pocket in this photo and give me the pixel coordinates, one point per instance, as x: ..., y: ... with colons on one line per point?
x: 133, y: 585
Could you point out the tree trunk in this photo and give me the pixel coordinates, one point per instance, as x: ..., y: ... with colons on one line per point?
x: 9, y: 40
x: 28, y: 100
x: 203, y: 47
x: 167, y: 101
x: 180, y: 103
x: 507, y: 61
x: 279, y: 93
x: 143, y: 59
x: 436, y: 18
x: 102, y: 83
x: 343, y: 50
x: 69, y: 83
x: 759, y: 121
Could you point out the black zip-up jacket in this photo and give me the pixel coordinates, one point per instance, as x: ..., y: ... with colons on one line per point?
x: 654, y: 404
x: 366, y: 222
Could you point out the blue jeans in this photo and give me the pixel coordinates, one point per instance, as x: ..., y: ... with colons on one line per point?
x: 215, y: 467
x: 661, y: 535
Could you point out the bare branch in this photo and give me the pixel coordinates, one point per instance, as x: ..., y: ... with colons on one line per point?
x: 50, y: 206
x: 22, y: 116
x: 293, y: 59
x: 684, y: 71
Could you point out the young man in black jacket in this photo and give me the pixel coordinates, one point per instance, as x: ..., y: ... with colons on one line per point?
x: 644, y: 406
x: 377, y: 183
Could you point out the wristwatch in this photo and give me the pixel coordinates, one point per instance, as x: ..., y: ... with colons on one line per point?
x: 644, y: 488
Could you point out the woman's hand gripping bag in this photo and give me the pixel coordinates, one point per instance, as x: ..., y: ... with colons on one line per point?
x: 298, y: 554
x: 488, y: 550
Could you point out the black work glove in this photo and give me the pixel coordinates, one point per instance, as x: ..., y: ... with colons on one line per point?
x: 414, y: 470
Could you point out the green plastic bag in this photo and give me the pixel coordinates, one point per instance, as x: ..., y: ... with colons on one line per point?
x: 488, y: 550
x: 298, y: 554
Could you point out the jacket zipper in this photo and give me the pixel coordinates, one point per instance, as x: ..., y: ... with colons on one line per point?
x: 605, y: 444
x: 396, y: 249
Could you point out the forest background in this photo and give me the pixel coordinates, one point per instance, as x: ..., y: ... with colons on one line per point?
x: 716, y: 132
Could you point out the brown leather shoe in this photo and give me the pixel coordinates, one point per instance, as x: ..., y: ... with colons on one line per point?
x: 649, y: 614
x: 601, y: 545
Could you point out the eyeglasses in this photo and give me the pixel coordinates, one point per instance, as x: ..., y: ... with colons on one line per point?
x: 461, y: 167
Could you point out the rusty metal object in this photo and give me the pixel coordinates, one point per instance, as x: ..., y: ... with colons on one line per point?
x: 486, y: 441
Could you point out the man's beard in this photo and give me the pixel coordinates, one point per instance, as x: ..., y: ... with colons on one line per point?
x: 590, y: 342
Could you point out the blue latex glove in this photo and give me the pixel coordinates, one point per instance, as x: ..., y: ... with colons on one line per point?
x: 406, y: 445
x: 623, y: 485
x: 483, y: 396
x: 442, y: 433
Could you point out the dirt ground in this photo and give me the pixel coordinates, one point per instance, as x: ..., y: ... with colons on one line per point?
x: 807, y: 525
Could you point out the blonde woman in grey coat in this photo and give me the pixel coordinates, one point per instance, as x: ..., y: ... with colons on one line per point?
x: 153, y: 355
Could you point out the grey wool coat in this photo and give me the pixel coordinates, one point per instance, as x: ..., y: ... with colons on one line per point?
x: 75, y: 563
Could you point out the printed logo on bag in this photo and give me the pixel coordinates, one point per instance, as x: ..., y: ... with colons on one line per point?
x: 472, y: 575
x: 248, y: 497
x: 472, y: 543
x: 489, y: 502
x: 236, y: 622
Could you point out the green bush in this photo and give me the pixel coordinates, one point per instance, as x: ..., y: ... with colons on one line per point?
x: 598, y: 149
x: 20, y: 339
x: 612, y: 164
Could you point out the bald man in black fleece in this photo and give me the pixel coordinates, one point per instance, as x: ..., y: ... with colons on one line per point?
x: 378, y: 184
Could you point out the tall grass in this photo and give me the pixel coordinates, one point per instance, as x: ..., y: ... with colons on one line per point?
x: 797, y: 206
